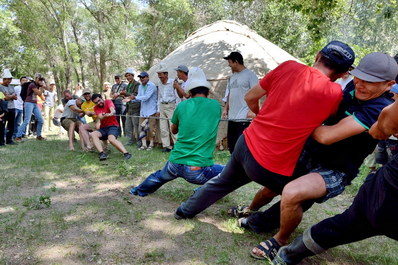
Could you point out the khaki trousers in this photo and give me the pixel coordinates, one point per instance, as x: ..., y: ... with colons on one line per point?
x: 166, y: 111
x: 48, y: 113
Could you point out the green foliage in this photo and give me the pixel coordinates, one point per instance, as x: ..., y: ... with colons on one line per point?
x: 37, y: 202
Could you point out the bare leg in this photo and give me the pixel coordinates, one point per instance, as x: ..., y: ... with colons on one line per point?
x: 311, y: 186
x: 71, y: 135
x: 262, y: 197
x: 84, y: 136
x: 119, y: 146
x: 97, y: 142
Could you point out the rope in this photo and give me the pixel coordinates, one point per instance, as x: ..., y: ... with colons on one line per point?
x: 161, y: 118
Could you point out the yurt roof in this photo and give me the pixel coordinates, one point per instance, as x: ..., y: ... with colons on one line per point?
x: 207, y: 46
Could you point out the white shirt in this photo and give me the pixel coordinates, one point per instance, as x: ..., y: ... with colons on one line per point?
x: 166, y: 92
x: 18, y: 103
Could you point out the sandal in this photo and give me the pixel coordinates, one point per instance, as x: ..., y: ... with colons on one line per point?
x: 269, y: 251
x: 240, y: 211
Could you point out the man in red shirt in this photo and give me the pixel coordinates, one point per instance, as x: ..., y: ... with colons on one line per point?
x: 107, y: 125
x: 298, y: 99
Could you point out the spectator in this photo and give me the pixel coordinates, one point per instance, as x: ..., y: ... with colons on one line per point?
x: 133, y: 109
x: 167, y: 97
x: 106, y: 90
x: 67, y: 96
x: 50, y: 96
x: 35, y: 90
x: 19, y: 105
x: 182, y: 74
x: 3, y: 110
x: 236, y: 108
x: 107, y: 127
x: 70, y: 121
x: 9, y: 117
x: 148, y: 96
x: 117, y: 91
x: 192, y: 157
x: 78, y: 92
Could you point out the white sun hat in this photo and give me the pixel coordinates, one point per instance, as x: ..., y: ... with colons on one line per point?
x: 130, y: 71
x: 196, y: 78
x: 6, y: 74
x: 162, y: 69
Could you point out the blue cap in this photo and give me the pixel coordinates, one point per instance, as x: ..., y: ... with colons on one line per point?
x: 340, y: 53
x: 394, y: 88
x: 143, y: 74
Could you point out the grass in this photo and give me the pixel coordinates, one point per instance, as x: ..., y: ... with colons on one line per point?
x: 61, y: 207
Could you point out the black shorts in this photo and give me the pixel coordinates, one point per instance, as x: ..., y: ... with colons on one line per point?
x: 110, y: 130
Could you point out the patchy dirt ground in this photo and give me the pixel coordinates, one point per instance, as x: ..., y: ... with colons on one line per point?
x: 59, y: 207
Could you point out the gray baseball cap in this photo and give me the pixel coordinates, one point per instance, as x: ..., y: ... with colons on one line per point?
x: 376, y: 67
x: 182, y: 68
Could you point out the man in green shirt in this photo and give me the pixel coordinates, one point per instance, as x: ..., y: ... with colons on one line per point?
x: 192, y: 155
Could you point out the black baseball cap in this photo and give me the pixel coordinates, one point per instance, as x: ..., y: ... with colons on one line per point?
x: 234, y: 56
x: 340, y: 53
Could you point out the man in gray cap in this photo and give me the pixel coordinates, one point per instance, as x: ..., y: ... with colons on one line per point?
x: 182, y: 74
x: 333, y: 155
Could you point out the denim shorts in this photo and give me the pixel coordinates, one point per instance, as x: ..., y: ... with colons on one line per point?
x: 334, y: 181
x: 110, y: 130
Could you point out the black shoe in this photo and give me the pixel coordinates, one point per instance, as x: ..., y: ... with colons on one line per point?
x: 12, y: 143
x: 166, y: 150
x: 127, y: 156
x: 179, y: 214
x: 103, y: 156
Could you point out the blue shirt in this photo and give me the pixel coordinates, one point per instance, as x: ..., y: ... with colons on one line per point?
x: 148, y: 95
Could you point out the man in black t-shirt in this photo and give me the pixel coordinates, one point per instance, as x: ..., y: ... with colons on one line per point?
x: 372, y: 213
x: 332, y: 157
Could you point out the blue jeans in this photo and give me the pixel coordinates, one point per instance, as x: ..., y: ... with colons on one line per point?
x: 172, y: 171
x: 29, y: 109
x: 18, y: 121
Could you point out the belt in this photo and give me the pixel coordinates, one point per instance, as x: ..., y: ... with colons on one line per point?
x: 170, y: 102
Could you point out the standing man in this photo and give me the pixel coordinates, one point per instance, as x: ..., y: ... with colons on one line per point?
x: 106, y: 90
x: 299, y: 99
x: 107, y: 127
x: 35, y: 90
x: 117, y: 99
x: 132, y: 109
x: 50, y: 96
x: 9, y: 118
x: 182, y: 74
x: 236, y: 108
x: 167, y: 98
x: 148, y: 96
x: 19, y: 105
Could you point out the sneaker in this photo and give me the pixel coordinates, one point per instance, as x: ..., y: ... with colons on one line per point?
x: 149, y: 148
x: 127, y: 156
x: 166, y: 150
x: 103, y: 156
x: 142, y: 148
x: 40, y: 138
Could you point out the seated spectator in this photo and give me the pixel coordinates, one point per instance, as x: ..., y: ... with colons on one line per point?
x: 192, y: 157
x: 373, y: 212
x: 107, y: 127
x: 70, y: 121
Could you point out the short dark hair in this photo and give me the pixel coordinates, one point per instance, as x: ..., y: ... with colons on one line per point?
x: 199, y: 90
x: 94, y: 96
x: 23, y: 77
x: 332, y: 65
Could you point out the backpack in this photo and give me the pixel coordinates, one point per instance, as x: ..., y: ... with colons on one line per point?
x: 24, y: 90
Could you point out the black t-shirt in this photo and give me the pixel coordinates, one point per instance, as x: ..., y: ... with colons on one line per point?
x: 347, y: 155
x: 390, y: 171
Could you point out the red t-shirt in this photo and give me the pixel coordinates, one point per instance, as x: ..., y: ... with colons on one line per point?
x: 107, y: 121
x: 299, y: 99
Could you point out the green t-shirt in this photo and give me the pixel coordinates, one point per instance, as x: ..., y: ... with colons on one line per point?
x: 197, y: 119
